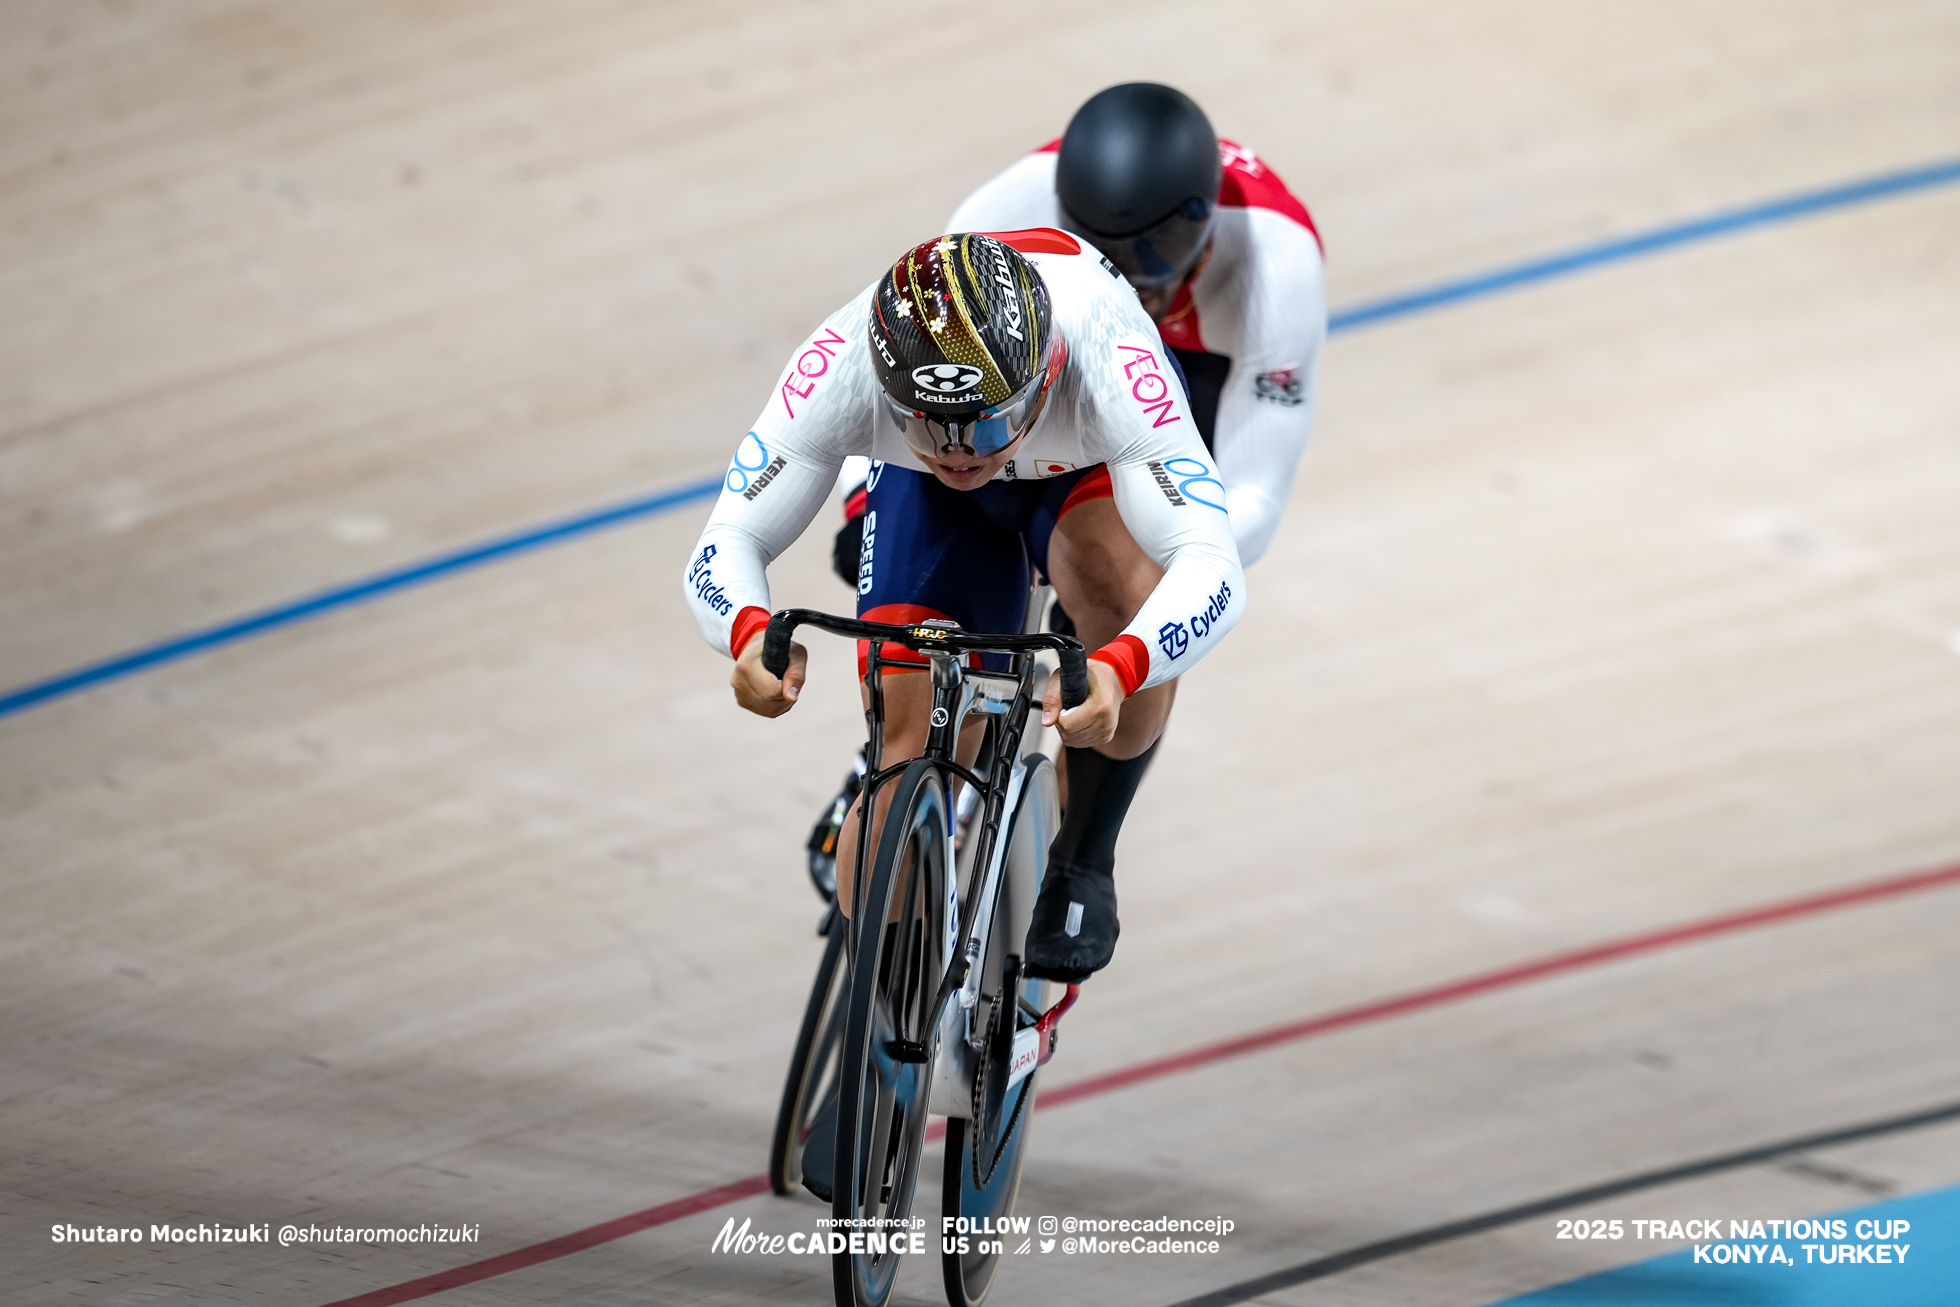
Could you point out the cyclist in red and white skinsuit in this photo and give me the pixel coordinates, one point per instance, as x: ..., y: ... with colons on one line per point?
x: 1246, y: 321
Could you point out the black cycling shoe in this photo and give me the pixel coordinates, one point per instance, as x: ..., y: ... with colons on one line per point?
x: 820, y: 1150
x: 1073, y: 933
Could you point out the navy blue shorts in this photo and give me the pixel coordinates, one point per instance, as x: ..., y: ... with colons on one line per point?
x: 968, y: 555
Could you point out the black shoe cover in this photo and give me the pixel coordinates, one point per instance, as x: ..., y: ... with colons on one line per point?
x: 1073, y: 933
x: 820, y: 1150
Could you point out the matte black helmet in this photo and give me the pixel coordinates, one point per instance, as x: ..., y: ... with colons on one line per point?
x: 1138, y: 176
x: 961, y: 337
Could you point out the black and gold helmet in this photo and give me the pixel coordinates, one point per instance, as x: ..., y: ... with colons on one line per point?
x: 961, y: 337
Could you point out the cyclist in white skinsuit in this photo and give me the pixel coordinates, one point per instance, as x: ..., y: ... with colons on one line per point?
x: 1228, y: 264
x: 1246, y: 321
x: 1058, y: 436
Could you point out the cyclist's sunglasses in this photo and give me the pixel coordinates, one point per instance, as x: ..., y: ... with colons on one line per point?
x: 1156, y: 259
x: 988, y: 433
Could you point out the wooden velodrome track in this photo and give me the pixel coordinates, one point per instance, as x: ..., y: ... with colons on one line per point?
x: 1616, y: 602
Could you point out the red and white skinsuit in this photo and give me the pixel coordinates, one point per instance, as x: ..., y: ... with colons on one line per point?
x: 1257, y: 302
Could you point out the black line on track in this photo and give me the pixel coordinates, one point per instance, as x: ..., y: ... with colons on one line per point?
x: 1322, y: 1267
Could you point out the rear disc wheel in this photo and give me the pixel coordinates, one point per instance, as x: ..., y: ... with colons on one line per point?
x: 812, y: 1066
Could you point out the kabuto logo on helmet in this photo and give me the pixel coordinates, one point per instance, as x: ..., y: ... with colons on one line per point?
x: 1012, y: 304
x: 947, y: 378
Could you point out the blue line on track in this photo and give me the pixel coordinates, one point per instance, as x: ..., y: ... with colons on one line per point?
x: 1729, y: 221
x: 1627, y: 247
x: 360, y: 591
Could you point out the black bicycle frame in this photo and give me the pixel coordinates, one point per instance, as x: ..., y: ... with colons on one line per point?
x: 943, y: 644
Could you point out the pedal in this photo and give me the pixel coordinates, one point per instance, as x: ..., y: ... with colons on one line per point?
x: 907, y: 1050
x: 1027, y: 1054
x: 1035, y: 1044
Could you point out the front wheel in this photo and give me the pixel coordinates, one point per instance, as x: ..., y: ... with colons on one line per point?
x: 886, y: 1077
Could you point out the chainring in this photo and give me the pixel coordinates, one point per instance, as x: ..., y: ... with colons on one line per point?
x: 990, y: 1087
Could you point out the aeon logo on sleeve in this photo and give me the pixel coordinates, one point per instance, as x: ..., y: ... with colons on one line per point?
x: 813, y: 362
x: 1148, y: 385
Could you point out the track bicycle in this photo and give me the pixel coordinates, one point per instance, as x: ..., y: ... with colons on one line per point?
x: 937, y: 1017
x: 810, y: 1085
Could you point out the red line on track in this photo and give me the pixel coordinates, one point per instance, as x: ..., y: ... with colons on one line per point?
x: 1558, y: 963
x: 563, y: 1246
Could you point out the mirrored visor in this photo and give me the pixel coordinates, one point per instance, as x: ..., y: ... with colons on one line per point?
x: 1160, y: 257
x: 988, y: 433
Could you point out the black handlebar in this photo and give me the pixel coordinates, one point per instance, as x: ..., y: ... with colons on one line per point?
x: 927, y: 639
x: 1075, y: 672
x: 775, y: 644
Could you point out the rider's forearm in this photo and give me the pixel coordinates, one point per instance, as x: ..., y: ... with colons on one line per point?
x: 769, y: 496
x: 1183, y: 527
x: 1265, y: 412
x: 1199, y: 600
x: 726, y: 586
x: 1255, y: 520
x: 1259, y: 446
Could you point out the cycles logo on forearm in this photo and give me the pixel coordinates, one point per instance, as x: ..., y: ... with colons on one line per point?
x: 1201, y: 623
x: 701, y: 579
x: 1174, y: 639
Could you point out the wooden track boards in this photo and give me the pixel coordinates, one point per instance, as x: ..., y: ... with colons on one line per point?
x: 1613, y: 603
